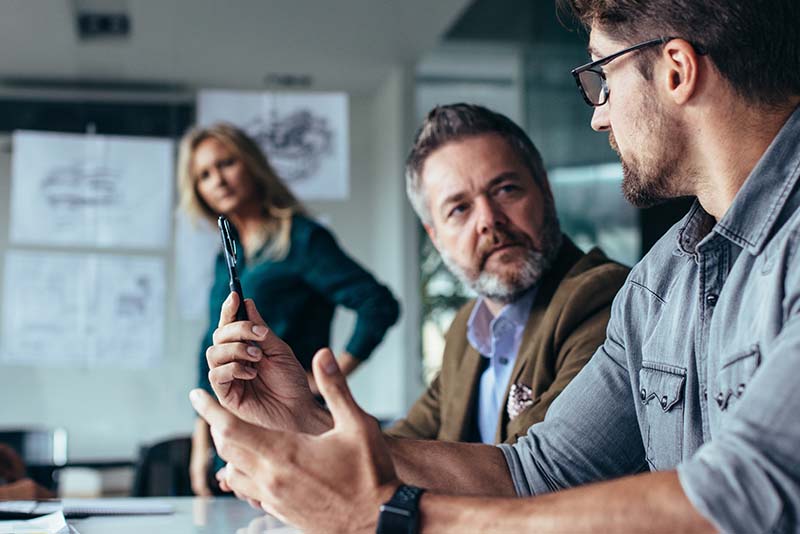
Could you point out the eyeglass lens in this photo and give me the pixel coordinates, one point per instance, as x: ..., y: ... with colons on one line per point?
x: 593, y: 86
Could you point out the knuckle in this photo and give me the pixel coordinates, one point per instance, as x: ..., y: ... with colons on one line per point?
x: 227, y: 429
x: 273, y: 481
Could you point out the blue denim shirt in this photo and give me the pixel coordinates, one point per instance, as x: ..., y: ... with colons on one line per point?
x: 700, y: 371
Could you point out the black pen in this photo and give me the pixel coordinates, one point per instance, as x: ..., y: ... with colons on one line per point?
x: 229, y: 247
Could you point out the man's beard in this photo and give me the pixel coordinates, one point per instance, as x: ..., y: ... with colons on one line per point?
x: 652, y: 179
x: 535, y: 264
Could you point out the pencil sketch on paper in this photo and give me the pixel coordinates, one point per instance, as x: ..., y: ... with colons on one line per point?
x: 133, y: 303
x: 304, y: 135
x: 102, y: 310
x: 96, y: 191
x: 296, y: 142
x: 81, y: 184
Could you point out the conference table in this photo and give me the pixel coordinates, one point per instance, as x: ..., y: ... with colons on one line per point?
x: 192, y: 515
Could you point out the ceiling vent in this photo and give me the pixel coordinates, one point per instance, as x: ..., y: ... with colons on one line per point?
x: 102, y: 19
x: 103, y: 26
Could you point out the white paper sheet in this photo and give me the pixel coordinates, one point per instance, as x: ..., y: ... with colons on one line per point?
x: 91, y: 190
x: 305, y: 135
x: 82, y: 309
x: 48, y: 524
x: 196, y: 247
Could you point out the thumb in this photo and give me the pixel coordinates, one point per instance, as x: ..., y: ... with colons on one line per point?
x: 333, y: 387
x: 227, y: 313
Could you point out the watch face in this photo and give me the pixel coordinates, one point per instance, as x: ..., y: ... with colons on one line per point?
x: 396, y: 521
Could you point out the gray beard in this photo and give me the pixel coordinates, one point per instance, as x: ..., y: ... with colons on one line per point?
x: 535, y: 265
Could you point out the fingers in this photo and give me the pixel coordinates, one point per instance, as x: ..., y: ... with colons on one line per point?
x: 230, y: 306
x: 240, y: 331
x: 333, y: 387
x: 220, y: 476
x: 252, y: 312
x: 243, y: 485
x: 234, y: 439
x: 227, y: 373
x: 217, y: 355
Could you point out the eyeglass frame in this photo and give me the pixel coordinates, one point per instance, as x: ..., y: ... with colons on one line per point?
x: 576, y: 72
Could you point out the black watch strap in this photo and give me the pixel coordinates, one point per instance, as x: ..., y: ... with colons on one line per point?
x: 400, y: 514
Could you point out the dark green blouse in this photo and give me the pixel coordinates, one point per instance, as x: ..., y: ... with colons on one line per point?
x: 297, y: 296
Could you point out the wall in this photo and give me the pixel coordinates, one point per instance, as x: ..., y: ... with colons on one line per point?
x: 109, y: 412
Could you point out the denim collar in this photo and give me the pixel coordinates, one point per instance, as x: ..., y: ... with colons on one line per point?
x: 758, y: 204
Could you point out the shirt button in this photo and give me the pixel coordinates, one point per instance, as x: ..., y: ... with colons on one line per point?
x: 705, y: 394
x: 711, y: 299
x: 503, y: 361
x: 740, y: 390
x: 643, y: 394
x: 664, y: 402
x: 720, y: 399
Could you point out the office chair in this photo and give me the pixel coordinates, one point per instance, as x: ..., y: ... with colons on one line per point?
x: 163, y: 469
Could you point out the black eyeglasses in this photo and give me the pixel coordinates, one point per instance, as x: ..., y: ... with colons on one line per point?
x: 591, y: 79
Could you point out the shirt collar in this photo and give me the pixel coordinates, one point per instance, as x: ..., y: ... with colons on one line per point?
x: 758, y: 204
x: 481, y: 323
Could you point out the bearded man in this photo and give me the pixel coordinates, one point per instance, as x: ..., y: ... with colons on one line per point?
x: 479, y: 187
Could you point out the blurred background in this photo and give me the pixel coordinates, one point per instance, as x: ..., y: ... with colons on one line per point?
x: 78, y: 76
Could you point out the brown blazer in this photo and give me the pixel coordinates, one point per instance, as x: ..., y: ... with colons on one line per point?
x: 566, y: 325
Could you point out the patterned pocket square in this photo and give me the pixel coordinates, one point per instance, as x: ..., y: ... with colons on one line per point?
x: 519, y: 397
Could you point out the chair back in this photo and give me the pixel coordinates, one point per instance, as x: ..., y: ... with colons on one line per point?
x: 163, y: 469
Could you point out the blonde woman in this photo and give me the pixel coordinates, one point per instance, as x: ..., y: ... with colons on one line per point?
x: 288, y: 263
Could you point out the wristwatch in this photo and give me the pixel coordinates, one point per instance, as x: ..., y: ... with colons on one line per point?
x: 400, y: 514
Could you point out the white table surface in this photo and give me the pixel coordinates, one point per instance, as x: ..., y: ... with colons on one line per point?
x: 192, y: 515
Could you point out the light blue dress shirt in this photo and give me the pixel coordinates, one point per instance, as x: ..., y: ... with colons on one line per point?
x: 497, y: 339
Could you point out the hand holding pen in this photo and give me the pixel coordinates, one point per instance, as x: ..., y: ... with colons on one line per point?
x: 229, y: 248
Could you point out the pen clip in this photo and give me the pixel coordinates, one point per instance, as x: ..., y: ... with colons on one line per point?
x: 227, y: 241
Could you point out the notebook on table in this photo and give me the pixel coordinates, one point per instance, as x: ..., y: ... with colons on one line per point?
x: 74, y: 508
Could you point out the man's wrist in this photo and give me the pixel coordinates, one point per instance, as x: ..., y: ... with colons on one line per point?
x: 399, y: 510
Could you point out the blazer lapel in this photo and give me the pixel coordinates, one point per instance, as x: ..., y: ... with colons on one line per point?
x: 460, y: 413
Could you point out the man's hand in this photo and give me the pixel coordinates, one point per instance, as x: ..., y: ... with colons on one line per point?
x: 24, y: 489
x: 334, y: 482
x: 256, y: 375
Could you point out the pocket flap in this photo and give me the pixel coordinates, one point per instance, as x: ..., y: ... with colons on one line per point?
x: 734, y: 375
x: 661, y: 382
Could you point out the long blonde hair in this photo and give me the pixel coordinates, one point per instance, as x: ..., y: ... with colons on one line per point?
x: 277, y: 201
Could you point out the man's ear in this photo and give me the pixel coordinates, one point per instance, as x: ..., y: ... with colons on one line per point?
x: 681, y: 72
x: 431, y: 231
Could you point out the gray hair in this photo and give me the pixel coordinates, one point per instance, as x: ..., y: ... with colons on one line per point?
x: 453, y: 122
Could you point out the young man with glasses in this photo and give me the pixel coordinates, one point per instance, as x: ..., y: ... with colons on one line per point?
x: 688, y: 417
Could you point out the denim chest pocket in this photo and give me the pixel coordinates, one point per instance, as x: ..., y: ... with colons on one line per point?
x: 661, y: 391
x: 733, y: 377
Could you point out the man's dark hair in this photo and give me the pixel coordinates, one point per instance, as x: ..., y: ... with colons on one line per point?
x: 454, y: 122
x: 754, y: 44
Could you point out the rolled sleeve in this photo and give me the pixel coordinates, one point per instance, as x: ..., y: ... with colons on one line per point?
x: 748, y: 478
x: 573, y: 445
